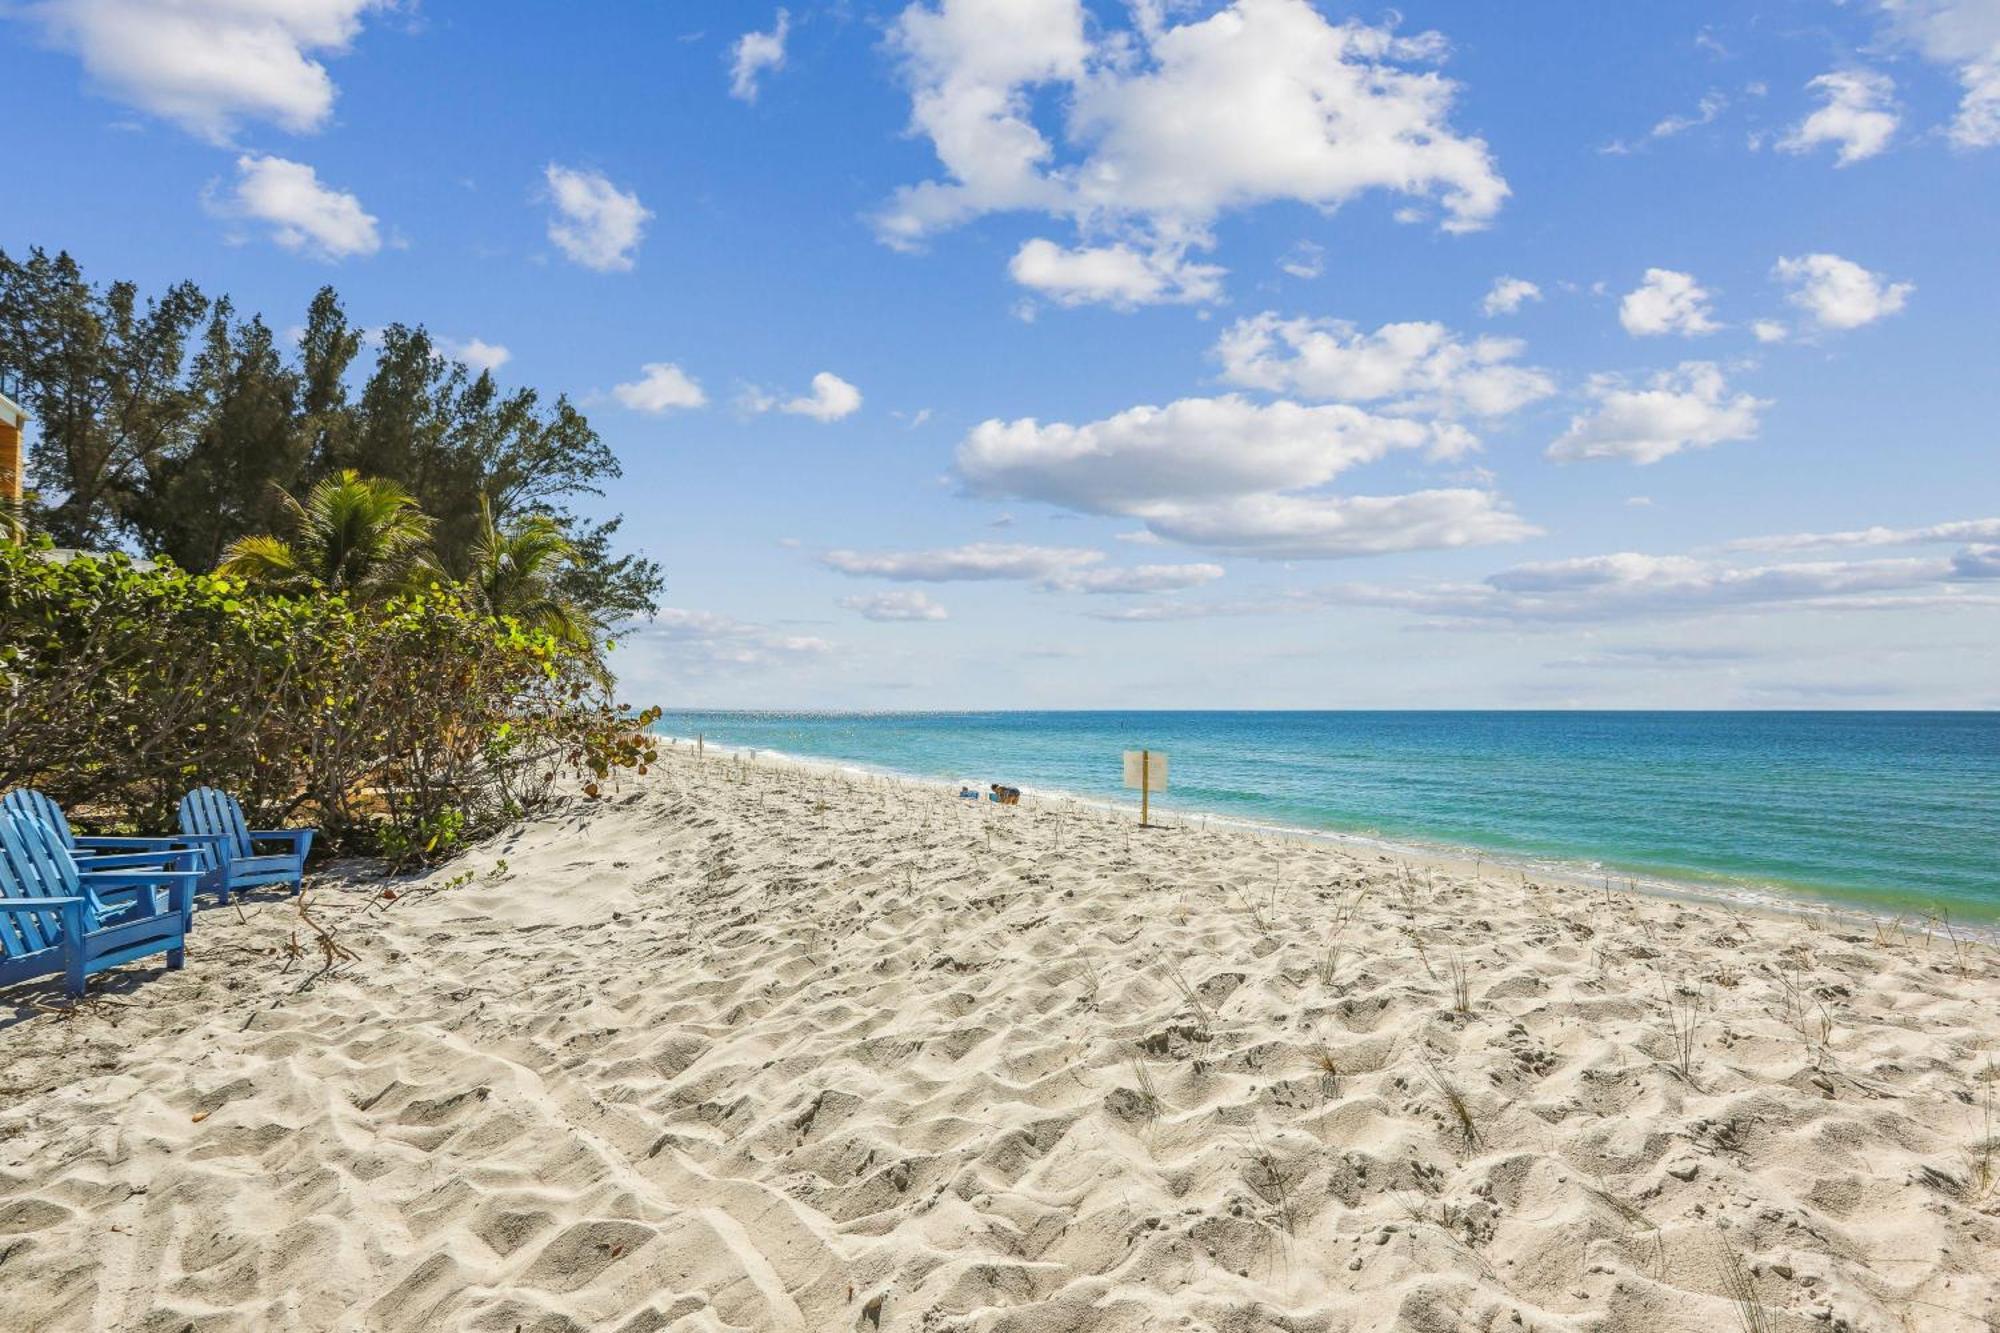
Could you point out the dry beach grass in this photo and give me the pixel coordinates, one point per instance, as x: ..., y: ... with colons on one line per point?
x: 750, y: 1047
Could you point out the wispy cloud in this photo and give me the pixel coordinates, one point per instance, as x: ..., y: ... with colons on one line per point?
x: 755, y: 54
x: 1053, y: 568
x: 1633, y: 586
x: 903, y: 604
x: 1963, y: 530
x: 705, y: 643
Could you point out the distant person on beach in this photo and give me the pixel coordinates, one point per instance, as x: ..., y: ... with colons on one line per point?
x: 1006, y: 795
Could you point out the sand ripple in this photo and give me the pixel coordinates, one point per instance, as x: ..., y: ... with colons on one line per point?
x: 755, y: 1049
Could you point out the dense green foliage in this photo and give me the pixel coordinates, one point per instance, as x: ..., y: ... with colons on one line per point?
x: 177, y: 427
x: 407, y: 724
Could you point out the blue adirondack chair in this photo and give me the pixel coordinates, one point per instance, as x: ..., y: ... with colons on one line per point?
x: 57, y: 921
x: 93, y: 852
x: 214, y: 820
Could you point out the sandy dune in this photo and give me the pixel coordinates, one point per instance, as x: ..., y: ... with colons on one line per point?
x: 757, y: 1049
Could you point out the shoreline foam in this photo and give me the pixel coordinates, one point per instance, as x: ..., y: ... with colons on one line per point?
x: 1769, y: 898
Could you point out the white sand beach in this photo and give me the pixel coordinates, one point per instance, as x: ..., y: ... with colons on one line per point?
x: 757, y: 1048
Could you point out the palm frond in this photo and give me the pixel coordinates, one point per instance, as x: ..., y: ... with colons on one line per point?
x: 264, y: 559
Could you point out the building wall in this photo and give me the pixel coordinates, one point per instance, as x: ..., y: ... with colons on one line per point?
x: 12, y: 467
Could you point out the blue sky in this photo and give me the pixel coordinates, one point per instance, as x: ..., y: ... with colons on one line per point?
x: 1043, y: 353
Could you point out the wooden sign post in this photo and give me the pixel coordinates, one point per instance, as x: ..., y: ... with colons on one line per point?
x: 1146, y: 770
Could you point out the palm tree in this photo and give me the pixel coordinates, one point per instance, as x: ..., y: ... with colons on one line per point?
x: 515, y: 571
x: 353, y: 533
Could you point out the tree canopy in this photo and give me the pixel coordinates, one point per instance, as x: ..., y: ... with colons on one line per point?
x: 173, y: 425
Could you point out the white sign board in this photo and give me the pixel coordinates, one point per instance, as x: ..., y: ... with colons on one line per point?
x: 1147, y: 769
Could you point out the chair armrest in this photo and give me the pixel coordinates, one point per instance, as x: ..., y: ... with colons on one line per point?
x: 72, y: 910
x: 114, y: 878
x: 127, y: 844
x: 300, y: 838
x: 180, y: 859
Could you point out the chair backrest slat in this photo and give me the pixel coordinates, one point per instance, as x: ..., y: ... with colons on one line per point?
x: 25, y: 875
x: 26, y: 849
x: 55, y: 865
x: 232, y: 813
x: 206, y: 810
x: 39, y: 805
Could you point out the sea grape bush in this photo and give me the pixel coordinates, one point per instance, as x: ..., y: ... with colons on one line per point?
x: 406, y: 725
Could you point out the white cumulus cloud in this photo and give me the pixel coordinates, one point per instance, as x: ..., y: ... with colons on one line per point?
x: 302, y: 214
x: 1509, y: 295
x: 208, y: 65
x: 831, y: 399
x: 1838, y: 293
x: 596, y: 224
x: 1114, y: 275
x: 478, y: 353
x: 1411, y: 367
x: 1237, y: 476
x: 1667, y: 301
x: 661, y: 387
x: 1192, y: 450
x: 1170, y: 125
x: 755, y: 53
x: 1687, y: 408
x: 1857, y: 115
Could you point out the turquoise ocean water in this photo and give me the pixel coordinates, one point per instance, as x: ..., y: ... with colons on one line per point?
x: 1890, y: 811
